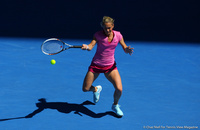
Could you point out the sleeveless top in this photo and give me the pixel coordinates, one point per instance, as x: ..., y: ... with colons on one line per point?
x: 104, y: 55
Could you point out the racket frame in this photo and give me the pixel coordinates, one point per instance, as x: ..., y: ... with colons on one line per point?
x: 63, y: 48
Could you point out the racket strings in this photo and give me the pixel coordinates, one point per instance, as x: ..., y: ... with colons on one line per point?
x: 51, y: 47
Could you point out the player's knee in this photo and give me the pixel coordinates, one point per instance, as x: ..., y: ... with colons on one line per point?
x: 119, y: 89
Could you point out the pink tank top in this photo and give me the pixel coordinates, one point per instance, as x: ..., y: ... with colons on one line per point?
x: 104, y: 55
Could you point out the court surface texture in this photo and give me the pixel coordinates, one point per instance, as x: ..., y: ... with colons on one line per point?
x: 161, y: 87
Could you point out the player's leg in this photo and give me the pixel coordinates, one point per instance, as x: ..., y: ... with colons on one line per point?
x: 89, y: 79
x: 87, y: 85
x: 115, y: 79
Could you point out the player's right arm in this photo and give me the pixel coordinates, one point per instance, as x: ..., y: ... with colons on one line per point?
x: 89, y: 46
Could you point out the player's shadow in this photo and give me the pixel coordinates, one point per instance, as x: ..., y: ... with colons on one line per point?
x: 66, y: 108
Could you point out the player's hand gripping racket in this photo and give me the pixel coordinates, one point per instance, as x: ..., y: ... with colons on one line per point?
x: 54, y: 46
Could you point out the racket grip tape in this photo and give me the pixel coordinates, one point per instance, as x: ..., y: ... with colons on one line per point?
x: 77, y: 46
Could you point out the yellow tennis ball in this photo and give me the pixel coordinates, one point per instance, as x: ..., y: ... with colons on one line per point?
x: 53, y: 61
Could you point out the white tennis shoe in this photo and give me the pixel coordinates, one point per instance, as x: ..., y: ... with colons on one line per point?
x: 117, y: 110
x: 96, y: 95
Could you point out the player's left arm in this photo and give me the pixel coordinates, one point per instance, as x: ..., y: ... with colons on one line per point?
x: 127, y: 49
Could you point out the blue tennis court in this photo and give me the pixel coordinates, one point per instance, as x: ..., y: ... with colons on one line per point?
x: 161, y: 86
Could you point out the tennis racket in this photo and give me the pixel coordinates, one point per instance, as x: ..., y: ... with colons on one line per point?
x: 54, y: 46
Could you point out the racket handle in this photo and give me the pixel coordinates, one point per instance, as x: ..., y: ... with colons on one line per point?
x: 76, y: 46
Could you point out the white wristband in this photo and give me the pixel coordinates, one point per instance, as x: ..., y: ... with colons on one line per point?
x: 87, y: 47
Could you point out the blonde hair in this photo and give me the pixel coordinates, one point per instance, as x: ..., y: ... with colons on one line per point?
x: 106, y: 19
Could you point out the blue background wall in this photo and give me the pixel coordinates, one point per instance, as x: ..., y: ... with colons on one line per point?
x: 140, y: 20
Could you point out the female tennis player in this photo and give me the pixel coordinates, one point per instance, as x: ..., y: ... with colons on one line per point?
x: 104, y: 61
